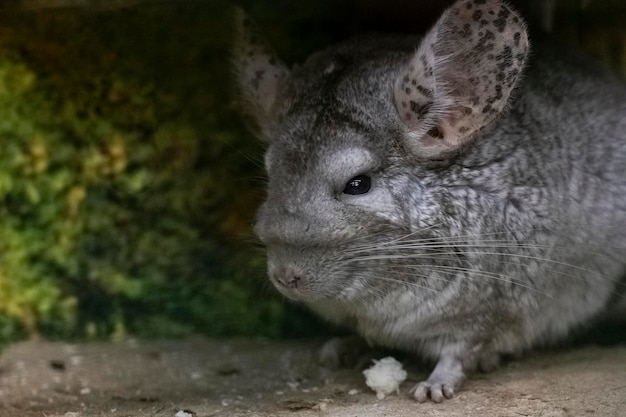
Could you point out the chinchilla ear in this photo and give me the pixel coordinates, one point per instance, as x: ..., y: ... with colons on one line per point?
x: 259, y: 74
x: 461, y: 76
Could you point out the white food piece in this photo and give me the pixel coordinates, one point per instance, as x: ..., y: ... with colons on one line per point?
x: 385, y: 376
x: 182, y: 413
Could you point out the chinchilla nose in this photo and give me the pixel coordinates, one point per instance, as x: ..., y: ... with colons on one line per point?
x: 286, y: 276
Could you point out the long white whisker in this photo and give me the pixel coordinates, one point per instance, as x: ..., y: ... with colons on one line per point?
x: 489, y: 253
x: 407, y: 283
x: 452, y: 245
x: 476, y: 273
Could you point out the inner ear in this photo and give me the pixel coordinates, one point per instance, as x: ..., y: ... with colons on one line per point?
x: 461, y: 77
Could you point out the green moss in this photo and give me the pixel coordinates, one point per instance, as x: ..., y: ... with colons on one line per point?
x: 126, y: 179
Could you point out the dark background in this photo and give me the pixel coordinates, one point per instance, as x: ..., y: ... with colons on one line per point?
x: 128, y: 181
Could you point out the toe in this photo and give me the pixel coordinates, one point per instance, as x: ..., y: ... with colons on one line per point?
x: 448, y: 391
x: 420, y: 392
x: 436, y: 393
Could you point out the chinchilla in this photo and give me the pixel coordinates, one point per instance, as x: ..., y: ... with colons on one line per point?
x: 460, y: 195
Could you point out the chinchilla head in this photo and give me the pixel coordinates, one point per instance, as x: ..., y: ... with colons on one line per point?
x: 356, y: 135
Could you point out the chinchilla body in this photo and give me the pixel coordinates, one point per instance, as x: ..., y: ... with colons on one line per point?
x: 459, y: 195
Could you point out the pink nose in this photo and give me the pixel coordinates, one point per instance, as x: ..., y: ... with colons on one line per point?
x: 286, y: 276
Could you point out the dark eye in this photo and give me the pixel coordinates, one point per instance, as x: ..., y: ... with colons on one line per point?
x: 358, y: 185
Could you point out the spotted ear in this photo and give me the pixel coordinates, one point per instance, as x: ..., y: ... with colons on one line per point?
x: 260, y: 75
x: 461, y: 76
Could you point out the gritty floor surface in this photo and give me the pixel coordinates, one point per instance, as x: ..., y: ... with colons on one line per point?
x: 256, y: 378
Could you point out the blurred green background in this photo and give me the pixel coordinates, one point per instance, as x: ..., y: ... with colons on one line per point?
x: 128, y: 181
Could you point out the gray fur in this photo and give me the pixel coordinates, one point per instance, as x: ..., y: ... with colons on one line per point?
x: 471, y: 243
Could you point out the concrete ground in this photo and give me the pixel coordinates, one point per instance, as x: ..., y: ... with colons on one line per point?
x: 255, y: 378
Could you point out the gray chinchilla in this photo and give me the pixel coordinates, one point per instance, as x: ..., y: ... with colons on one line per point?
x: 453, y: 195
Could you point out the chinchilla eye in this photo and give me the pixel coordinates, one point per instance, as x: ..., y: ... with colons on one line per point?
x: 358, y: 185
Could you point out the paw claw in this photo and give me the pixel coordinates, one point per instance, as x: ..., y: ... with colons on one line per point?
x: 435, y: 392
x: 442, y: 382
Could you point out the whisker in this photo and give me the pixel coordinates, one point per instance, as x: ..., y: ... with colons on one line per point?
x: 434, y: 256
x: 436, y: 243
x: 478, y: 273
x: 407, y: 283
x: 430, y: 255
